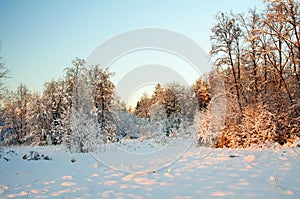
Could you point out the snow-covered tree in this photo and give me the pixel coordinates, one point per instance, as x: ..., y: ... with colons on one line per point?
x: 127, y: 124
x: 38, y: 119
x: 72, y: 75
x: 92, y: 119
x: 10, y: 117
x: 16, y: 115
x: 55, y: 105
x: 226, y: 39
x: 143, y: 106
x: 186, y: 103
x: 103, y: 96
x: 159, y: 122
x: 84, y: 131
x: 201, y: 90
x: 172, y: 110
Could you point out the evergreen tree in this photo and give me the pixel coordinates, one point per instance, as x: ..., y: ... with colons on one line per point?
x: 186, y: 104
x: 172, y: 110
x: 55, y: 104
x: 143, y: 106
x: 103, y: 89
x: 201, y: 90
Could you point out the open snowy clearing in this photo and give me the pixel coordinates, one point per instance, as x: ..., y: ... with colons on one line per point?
x: 178, y: 171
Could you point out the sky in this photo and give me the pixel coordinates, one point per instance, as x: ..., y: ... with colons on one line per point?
x: 41, y: 38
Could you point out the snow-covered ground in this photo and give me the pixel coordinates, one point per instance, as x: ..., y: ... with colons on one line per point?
x: 176, y: 171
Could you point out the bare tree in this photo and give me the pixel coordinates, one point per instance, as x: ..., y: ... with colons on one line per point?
x: 278, y: 56
x: 3, y: 75
x: 252, y: 55
x: 226, y: 47
x: 287, y: 13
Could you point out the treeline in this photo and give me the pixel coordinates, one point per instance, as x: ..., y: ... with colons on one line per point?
x: 83, y: 111
x: 48, y: 118
x: 174, y: 106
x: 258, y: 55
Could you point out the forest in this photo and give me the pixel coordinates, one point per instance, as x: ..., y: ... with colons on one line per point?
x: 256, y: 56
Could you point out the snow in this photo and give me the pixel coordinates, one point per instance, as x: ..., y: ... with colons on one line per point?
x: 179, y: 170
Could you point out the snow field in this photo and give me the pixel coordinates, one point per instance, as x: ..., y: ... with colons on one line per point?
x: 176, y: 171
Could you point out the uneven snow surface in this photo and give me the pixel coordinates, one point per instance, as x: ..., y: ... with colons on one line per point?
x: 177, y: 171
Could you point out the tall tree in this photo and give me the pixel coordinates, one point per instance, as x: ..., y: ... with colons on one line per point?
x: 23, y: 97
x: 278, y: 56
x: 252, y: 53
x: 84, y: 127
x: 172, y: 109
x: 226, y: 47
x: 71, y: 93
x: 287, y: 12
x: 72, y: 74
x: 143, y: 106
x: 55, y: 103
x: 103, y: 94
x: 201, y: 90
x: 37, y: 119
x: 16, y: 114
x: 3, y: 75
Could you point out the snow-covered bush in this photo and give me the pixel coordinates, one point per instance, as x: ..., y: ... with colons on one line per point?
x: 85, y: 136
x: 127, y: 124
x: 205, y: 135
x: 158, y: 122
x: 257, y: 127
x: 211, y: 121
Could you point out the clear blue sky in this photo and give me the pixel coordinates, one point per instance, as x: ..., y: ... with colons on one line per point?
x: 41, y: 38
